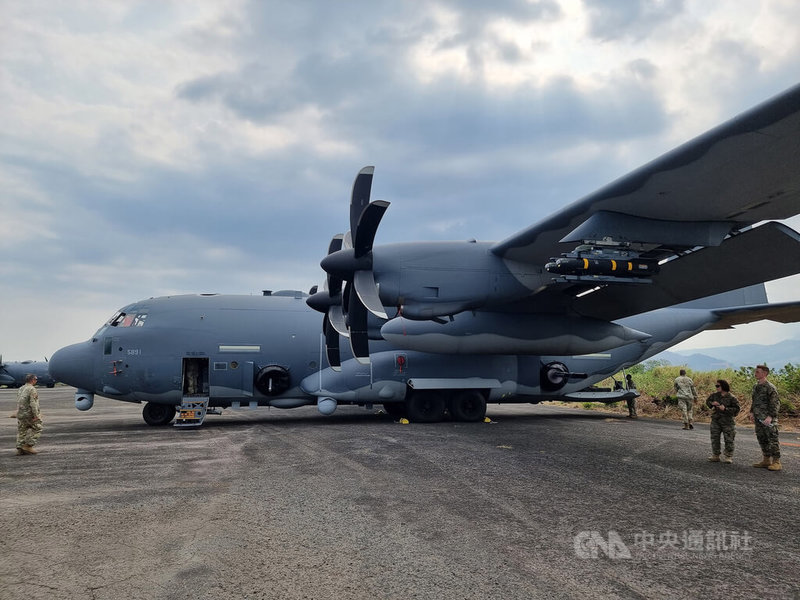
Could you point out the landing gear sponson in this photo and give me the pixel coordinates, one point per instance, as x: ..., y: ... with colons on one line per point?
x: 432, y: 406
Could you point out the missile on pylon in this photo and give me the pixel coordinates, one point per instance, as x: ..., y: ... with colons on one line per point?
x: 633, y: 267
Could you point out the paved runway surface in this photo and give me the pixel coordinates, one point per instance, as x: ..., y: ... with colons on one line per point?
x: 542, y: 503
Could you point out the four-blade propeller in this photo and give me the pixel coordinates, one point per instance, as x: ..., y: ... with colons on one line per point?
x: 349, y: 261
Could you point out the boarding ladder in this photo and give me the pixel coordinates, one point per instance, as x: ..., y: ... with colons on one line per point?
x: 192, y: 411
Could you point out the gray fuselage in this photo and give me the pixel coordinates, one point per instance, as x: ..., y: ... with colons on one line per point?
x: 268, y: 351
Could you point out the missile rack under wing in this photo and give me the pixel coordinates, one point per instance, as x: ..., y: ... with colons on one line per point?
x: 605, y: 262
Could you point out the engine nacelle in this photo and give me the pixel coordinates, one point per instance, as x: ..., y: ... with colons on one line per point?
x: 84, y: 400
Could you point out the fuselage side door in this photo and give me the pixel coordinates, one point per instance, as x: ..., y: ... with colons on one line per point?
x: 231, y: 378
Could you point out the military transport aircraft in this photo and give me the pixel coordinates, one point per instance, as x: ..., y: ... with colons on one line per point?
x: 434, y: 328
x: 12, y: 374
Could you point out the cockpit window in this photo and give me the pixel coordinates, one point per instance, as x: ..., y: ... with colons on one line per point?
x: 128, y: 320
x: 122, y: 319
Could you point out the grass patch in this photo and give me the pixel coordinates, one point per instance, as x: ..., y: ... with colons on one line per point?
x: 655, y: 382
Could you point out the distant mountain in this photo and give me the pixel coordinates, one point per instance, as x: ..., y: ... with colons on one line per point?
x: 697, y: 361
x: 710, y: 359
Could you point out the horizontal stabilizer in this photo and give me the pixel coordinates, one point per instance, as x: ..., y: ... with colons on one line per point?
x: 746, y: 296
x: 785, y: 312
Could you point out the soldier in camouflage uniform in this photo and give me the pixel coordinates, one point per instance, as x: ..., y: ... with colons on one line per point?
x: 724, y: 407
x: 687, y: 394
x: 631, y: 402
x: 29, y: 418
x: 764, y: 414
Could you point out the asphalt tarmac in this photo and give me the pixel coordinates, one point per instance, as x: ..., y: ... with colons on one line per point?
x: 544, y: 502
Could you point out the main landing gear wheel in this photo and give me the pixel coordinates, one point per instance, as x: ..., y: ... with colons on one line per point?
x: 425, y: 406
x: 468, y: 405
x: 158, y: 414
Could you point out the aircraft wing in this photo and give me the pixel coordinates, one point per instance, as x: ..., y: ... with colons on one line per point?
x: 739, y: 173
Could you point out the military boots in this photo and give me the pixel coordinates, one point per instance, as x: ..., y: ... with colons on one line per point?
x: 765, y: 463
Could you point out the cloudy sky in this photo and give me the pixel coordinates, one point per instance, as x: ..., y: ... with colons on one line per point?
x: 151, y: 148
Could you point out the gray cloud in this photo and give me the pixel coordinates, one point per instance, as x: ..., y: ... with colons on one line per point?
x: 195, y: 149
x: 635, y: 19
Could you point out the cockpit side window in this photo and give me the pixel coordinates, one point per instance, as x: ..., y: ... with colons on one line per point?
x: 117, y: 319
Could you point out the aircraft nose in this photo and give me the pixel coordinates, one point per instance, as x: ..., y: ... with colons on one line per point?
x: 73, y: 365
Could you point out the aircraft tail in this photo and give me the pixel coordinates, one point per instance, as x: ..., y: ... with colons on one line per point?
x: 746, y: 305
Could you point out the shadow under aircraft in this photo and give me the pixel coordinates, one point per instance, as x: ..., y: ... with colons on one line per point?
x: 434, y: 330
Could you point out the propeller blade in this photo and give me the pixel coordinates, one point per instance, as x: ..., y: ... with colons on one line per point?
x: 334, y: 284
x: 336, y: 320
x: 357, y: 316
x: 331, y: 345
x: 359, y: 198
x: 346, y: 299
x: 331, y: 287
x: 367, y: 226
x: 364, y: 282
x: 336, y: 243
